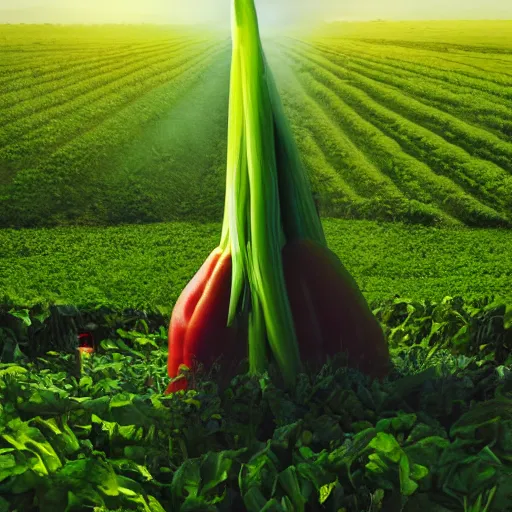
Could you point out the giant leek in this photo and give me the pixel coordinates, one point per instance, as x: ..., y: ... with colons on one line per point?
x: 271, y: 290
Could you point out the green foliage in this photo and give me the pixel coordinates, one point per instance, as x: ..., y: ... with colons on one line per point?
x: 450, y: 183
x: 143, y: 267
x: 108, y: 438
x: 66, y: 147
x: 98, y: 432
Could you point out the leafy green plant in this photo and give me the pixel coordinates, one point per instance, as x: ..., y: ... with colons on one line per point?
x: 337, y: 441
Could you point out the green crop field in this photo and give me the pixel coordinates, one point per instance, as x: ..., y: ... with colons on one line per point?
x: 144, y: 267
x: 395, y: 121
x: 408, y: 122
x: 403, y: 129
x: 97, y: 124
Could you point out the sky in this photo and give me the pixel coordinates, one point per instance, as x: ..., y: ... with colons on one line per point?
x: 270, y: 12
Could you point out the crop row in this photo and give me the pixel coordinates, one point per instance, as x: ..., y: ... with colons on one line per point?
x: 448, y: 79
x: 478, y: 176
x: 434, y: 61
x: 414, y: 177
x: 96, y: 94
x: 34, y: 99
x: 47, y: 50
x: 343, y: 152
x: 349, y: 184
x: 334, y: 150
x: 334, y: 184
x: 474, y: 106
x: 477, y: 142
x: 68, y: 179
x: 416, y: 65
x: 446, y: 75
x: 18, y: 66
x: 39, y: 71
x: 58, y: 127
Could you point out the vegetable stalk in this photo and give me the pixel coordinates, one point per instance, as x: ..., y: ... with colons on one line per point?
x: 272, y: 289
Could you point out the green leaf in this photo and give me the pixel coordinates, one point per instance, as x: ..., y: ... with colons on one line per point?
x: 107, y: 344
x: 85, y: 381
x: 186, y: 480
x: 376, y: 464
x: 290, y: 483
x: 260, y: 471
x: 325, y: 491
x: 418, y: 472
x: 387, y: 445
x: 9, y: 467
x: 254, y: 500
x: 215, y: 469
x: 407, y: 485
x: 484, y: 413
x: 142, y: 341
x: 154, y: 505
x: 23, y: 314
x: 58, y: 433
x: 404, y: 422
x: 12, y: 370
x: 31, y: 439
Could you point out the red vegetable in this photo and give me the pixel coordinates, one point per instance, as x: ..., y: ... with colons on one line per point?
x: 198, y: 332
x: 85, y: 342
x: 293, y: 298
x: 329, y: 311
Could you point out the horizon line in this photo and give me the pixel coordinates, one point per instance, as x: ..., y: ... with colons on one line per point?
x: 377, y: 20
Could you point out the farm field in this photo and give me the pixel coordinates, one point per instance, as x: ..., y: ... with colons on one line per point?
x: 145, y: 267
x: 395, y: 121
x: 401, y: 128
x: 112, y: 190
x: 98, y: 127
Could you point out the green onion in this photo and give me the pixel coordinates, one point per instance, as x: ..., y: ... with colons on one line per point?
x: 269, y: 218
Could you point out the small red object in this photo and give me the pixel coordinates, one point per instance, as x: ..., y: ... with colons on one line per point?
x: 85, y: 342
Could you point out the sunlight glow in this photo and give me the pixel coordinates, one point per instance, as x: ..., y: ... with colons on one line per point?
x: 271, y: 12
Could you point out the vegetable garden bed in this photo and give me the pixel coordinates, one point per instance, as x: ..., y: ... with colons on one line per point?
x: 433, y: 436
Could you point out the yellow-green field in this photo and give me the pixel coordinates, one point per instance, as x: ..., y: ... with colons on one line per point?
x: 408, y: 121
x: 493, y: 34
